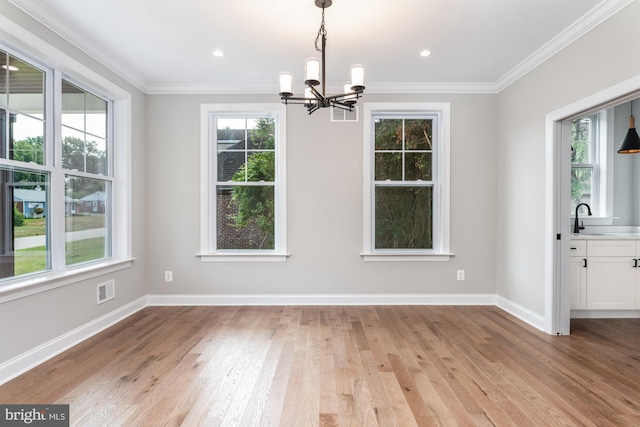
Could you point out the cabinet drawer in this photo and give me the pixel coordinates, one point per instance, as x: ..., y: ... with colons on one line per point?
x: 578, y: 248
x: 611, y: 248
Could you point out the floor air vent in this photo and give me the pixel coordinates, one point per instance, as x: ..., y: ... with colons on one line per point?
x: 106, y: 291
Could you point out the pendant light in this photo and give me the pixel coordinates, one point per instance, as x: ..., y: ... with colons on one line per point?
x: 631, y: 143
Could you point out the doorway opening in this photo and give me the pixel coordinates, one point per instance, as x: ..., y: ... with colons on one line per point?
x: 558, y: 195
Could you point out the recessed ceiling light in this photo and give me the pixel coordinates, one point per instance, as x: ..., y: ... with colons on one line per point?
x: 425, y: 53
x: 10, y: 67
x: 218, y: 53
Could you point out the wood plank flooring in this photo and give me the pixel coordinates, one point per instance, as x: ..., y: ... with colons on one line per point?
x: 305, y: 366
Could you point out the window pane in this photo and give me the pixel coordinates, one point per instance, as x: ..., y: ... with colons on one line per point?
x: 417, y: 166
x: 245, y: 217
x: 231, y: 134
x: 96, y: 155
x: 85, y: 156
x: 262, y: 134
x: 230, y: 165
x: 261, y: 166
x: 388, y: 134
x: 24, y: 197
x: 581, y: 186
x: 22, y: 106
x: 73, y: 154
x: 388, y: 166
x: 87, y: 206
x: 418, y: 134
x: 72, y: 106
x: 96, y: 116
x: 582, y: 140
x: 403, y: 217
x: 28, y: 139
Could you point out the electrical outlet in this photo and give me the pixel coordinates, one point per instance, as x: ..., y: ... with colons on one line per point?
x: 168, y: 276
x: 460, y: 274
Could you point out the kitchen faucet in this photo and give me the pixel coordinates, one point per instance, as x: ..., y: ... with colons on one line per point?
x: 576, y: 225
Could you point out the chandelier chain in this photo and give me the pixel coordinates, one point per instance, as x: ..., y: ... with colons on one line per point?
x: 322, y: 33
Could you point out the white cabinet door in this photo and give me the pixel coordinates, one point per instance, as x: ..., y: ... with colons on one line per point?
x: 578, y: 283
x: 611, y: 283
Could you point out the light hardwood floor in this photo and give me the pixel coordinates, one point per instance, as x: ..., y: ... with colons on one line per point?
x: 304, y: 366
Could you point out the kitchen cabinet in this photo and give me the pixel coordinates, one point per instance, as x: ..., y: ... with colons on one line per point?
x: 605, y: 274
x: 578, y: 274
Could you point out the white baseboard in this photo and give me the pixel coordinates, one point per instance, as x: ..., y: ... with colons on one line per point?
x: 522, y: 313
x: 605, y: 314
x: 32, y: 358
x: 322, y: 299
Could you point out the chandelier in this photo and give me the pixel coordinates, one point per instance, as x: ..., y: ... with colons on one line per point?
x: 315, y: 99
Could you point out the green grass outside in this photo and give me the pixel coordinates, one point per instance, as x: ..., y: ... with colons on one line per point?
x: 33, y: 260
x: 36, y: 227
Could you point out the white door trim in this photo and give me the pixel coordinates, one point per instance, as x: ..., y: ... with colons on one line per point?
x: 557, y: 207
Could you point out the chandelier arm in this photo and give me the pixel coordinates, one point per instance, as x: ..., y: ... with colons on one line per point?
x: 319, y: 96
x: 343, y: 95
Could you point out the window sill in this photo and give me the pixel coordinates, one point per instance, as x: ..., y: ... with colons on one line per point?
x: 594, y: 220
x: 24, y: 286
x: 243, y: 257
x: 404, y: 257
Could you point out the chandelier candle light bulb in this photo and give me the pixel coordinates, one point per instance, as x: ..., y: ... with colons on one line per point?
x: 312, y: 72
x: 286, y: 84
x: 357, y: 78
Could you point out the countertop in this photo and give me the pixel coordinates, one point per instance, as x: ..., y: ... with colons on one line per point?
x: 605, y: 236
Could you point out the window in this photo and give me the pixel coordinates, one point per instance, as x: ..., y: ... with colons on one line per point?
x: 243, y: 201
x: 406, y: 182
x: 57, y: 177
x: 589, y: 174
x: 85, y: 158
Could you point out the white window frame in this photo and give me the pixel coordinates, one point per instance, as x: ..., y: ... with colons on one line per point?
x: 26, y: 46
x: 602, y: 169
x: 441, y: 178
x: 208, y: 182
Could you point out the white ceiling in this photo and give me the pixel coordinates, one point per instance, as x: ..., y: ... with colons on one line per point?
x: 165, y: 46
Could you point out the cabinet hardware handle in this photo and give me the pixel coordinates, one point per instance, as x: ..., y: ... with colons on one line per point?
x: 573, y: 249
x: 585, y: 262
x: 635, y: 263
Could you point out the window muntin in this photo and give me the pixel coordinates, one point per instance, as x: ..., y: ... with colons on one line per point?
x: 245, y: 187
x: 585, y: 162
x: 403, y: 183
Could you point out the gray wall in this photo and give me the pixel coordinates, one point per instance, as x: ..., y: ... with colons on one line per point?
x: 599, y: 60
x: 32, y: 321
x: 324, y: 190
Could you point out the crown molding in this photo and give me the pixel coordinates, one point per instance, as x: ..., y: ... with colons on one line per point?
x: 416, y: 87
x: 38, y: 11
x: 589, y: 21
